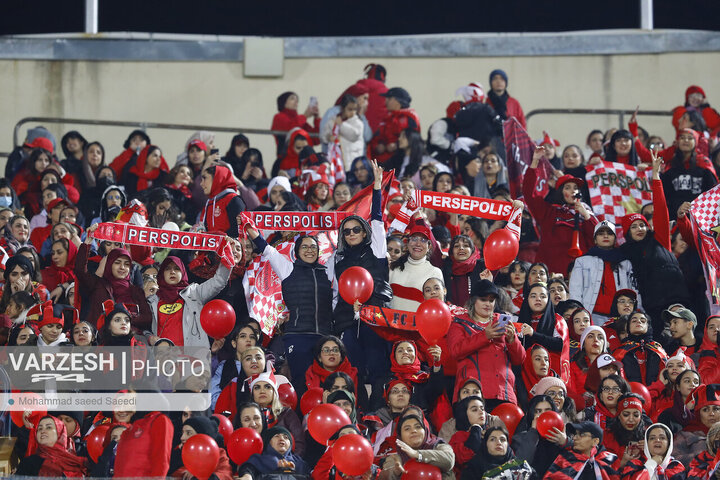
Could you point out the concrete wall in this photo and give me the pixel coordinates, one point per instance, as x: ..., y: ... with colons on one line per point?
x: 218, y: 94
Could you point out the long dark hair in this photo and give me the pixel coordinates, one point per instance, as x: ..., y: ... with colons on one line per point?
x: 624, y: 436
x: 417, y: 151
x: 611, y: 153
x: 620, y: 381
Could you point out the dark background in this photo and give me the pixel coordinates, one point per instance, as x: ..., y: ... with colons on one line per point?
x: 343, y: 17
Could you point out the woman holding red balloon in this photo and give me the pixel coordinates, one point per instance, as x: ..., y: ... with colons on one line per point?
x: 180, y: 467
x: 357, y: 456
x: 177, y: 305
x: 484, y: 348
x: 535, y: 441
x: 308, y: 294
x: 418, y: 451
x: 543, y: 326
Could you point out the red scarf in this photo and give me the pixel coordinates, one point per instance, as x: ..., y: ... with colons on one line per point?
x: 466, y: 266
x: 411, y: 373
x: 322, y: 373
x: 182, y: 189
x: 170, y: 293
x: 59, y: 460
x: 145, y: 178
x: 530, y: 378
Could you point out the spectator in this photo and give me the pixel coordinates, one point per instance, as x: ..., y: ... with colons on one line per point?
x: 398, y: 118
x: 498, y: 98
x: 288, y: 118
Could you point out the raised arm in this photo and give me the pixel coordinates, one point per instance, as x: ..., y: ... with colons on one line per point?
x: 379, y: 245
x: 661, y: 217
x: 280, y: 263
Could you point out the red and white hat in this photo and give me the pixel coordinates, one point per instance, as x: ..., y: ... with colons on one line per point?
x: 471, y: 93
x: 547, y: 139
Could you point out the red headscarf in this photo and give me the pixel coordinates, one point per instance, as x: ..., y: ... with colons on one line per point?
x: 139, y: 169
x: 169, y: 293
x: 291, y: 159
x: 222, y: 180
x: 466, y: 266
x: 529, y: 377
x: 120, y: 286
x: 65, y: 274
x: 411, y: 373
x: 59, y: 459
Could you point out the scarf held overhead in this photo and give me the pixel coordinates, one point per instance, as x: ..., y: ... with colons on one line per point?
x: 298, y: 221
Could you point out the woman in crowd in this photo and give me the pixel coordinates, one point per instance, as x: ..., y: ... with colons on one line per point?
x: 330, y: 356
x: 593, y: 344
x: 51, y: 452
x: 146, y: 171
x: 279, y: 455
x: 288, y: 118
x: 642, y: 357
x: 205, y: 426
x: 705, y: 405
x: 535, y: 367
x: 462, y: 269
x: 609, y: 391
x: 347, y: 130
x: 496, y: 459
x: 662, y: 391
x: 224, y: 204
x: 529, y: 445
x: 410, y: 271
x: 658, y: 449
x: 627, y: 429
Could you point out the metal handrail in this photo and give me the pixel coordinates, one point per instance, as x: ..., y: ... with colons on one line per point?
x: 142, y: 126
x: 596, y: 111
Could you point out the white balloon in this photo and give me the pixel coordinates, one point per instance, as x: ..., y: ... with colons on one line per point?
x: 172, y: 226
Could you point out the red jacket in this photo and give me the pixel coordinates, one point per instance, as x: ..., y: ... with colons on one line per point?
x: 513, y: 109
x: 223, y: 470
x: 285, y: 120
x: 488, y: 361
x: 144, y: 448
x: 576, y: 386
x: 709, y: 114
x: 389, y: 131
x: 119, y: 162
x: 556, y: 227
x: 463, y: 454
x: 376, y: 110
x: 661, y: 400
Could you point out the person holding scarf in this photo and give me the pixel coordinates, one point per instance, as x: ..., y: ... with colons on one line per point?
x: 600, y: 273
x: 279, y: 457
x: 414, y: 441
x: 496, y: 460
x: 224, y: 204
x: 593, y: 344
x: 177, y: 305
x: 51, y: 452
x: 462, y: 269
x: 557, y: 222
x: 148, y: 167
x: 535, y: 366
x: 114, y: 284
x: 543, y: 326
x: 642, y: 357
x: 660, y: 464
x: 405, y: 365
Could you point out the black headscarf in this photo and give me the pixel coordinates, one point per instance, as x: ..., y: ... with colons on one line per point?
x: 546, y: 325
x: 484, y: 461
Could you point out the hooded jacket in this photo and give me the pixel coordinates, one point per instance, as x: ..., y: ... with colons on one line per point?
x: 223, y: 205
x: 638, y: 469
x: 389, y: 130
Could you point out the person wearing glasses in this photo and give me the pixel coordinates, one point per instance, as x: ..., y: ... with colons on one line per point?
x: 606, y: 406
x: 307, y: 288
x: 625, y: 434
x: 556, y: 389
x: 584, y: 457
x: 694, y: 437
x: 330, y: 356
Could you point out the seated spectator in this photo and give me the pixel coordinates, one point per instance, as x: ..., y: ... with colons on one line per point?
x: 495, y: 459
x: 585, y: 456
x: 145, y: 171
x: 329, y: 356
x: 642, y: 357
x: 205, y: 426
x: 529, y: 445
x: 691, y: 441
x: 627, y: 430
x: 51, y: 452
x: 662, y: 391
x: 593, y: 344
x: 702, y: 465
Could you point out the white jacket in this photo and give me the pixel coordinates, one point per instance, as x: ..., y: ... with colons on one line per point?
x: 196, y: 295
x: 586, y: 278
x: 352, y: 141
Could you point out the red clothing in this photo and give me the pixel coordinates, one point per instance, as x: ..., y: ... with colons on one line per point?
x: 513, y: 109
x: 323, y: 466
x: 576, y: 386
x: 604, y: 301
x: 285, y: 120
x: 709, y: 114
x: 291, y: 161
x: 223, y: 470
x: 170, y: 321
x: 145, y: 179
x: 661, y: 400
x: 376, y: 110
x: 144, y: 449
x: 39, y: 235
x: 316, y: 374
x: 119, y: 162
x: 556, y: 227
x: 488, y: 361
x: 389, y: 131
x: 217, y: 214
x: 462, y: 453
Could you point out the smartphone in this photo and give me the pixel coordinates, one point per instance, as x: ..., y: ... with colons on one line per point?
x: 505, y: 320
x: 313, y: 102
x: 214, y: 151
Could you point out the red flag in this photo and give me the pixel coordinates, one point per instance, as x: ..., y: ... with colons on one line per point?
x: 361, y: 202
x: 519, y: 149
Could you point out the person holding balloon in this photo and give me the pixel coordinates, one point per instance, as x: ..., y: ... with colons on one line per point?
x: 418, y: 451
x: 541, y: 325
x: 496, y: 460
x: 332, y: 466
x: 277, y: 457
x: 484, y: 348
x: 176, y: 307
x: 556, y: 389
x: 307, y: 289
x: 105, y: 460
x: 181, y: 467
x: 471, y: 387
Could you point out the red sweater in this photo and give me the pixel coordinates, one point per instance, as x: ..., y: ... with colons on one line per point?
x: 223, y: 470
x: 144, y: 449
x: 556, y: 227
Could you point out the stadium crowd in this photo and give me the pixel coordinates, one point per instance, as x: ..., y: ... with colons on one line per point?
x: 618, y: 339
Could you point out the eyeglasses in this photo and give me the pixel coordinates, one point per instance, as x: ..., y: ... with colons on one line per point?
x: 330, y: 350
x: 356, y: 230
x: 558, y: 394
x: 399, y: 391
x: 611, y: 389
x: 311, y: 248
x: 625, y: 302
x: 417, y: 239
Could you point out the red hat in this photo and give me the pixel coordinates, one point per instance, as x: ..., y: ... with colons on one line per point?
x: 315, y: 177
x: 630, y: 402
x: 57, y: 201
x: 420, y: 229
x: 705, y: 395
x: 547, y: 139
x: 397, y: 381
x: 42, y: 142
x: 692, y: 132
x: 693, y: 89
x: 198, y: 143
x: 628, y: 220
x: 48, y: 317
x: 569, y: 178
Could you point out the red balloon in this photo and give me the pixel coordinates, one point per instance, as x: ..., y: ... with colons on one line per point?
x: 510, y: 414
x: 501, y: 248
x: 415, y: 470
x: 225, y: 426
x: 352, y: 454
x: 217, y: 318
x: 200, y: 455
x: 324, y: 420
x: 288, y: 395
x: 356, y: 283
x: 642, y: 390
x: 35, y: 415
x: 243, y: 443
x: 547, y: 421
x: 94, y: 441
x: 311, y: 399
x: 433, y: 320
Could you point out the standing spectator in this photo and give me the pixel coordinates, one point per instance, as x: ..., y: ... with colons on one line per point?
x: 374, y: 82
x: 399, y: 117
x: 498, y: 98
x: 696, y: 101
x: 288, y: 118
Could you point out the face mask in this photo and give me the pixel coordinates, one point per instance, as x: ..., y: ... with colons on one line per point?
x: 5, y: 201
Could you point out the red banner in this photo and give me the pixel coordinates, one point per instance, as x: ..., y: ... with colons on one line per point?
x: 157, y: 238
x: 464, y: 205
x: 298, y: 221
x: 519, y: 149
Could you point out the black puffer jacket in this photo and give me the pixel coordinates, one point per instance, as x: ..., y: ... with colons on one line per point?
x: 308, y: 295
